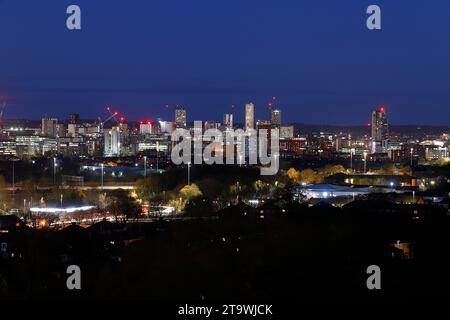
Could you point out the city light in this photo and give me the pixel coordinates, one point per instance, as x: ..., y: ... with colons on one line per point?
x: 62, y: 210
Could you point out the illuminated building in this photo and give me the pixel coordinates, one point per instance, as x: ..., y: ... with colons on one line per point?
x: 60, y: 130
x: 87, y: 129
x: 320, y: 144
x: 408, y: 151
x: 28, y: 145
x: 265, y: 125
x: 435, y: 152
x: 49, y: 127
x: 180, y: 117
x: 293, y: 146
x: 249, y: 116
x: 146, y: 127
x: 112, y: 142
x: 166, y: 126
x: 72, y: 147
x: 211, y: 125
x: 380, y: 131
x: 286, y: 132
x: 228, y: 120
x: 276, y: 117
x: 7, y: 148
x: 72, y: 130
x: 49, y: 146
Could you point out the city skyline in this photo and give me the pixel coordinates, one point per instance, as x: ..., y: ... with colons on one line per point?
x: 237, y: 112
x: 211, y: 158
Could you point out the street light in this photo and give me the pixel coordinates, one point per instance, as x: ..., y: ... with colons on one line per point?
x: 102, y: 167
x: 365, y: 162
x: 54, y: 171
x: 189, y: 173
x: 351, y: 160
x: 157, y: 156
x: 412, y: 152
x: 145, y: 166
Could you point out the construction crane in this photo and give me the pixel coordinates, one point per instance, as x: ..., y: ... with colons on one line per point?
x: 102, y: 122
x: 271, y: 103
x: 113, y: 115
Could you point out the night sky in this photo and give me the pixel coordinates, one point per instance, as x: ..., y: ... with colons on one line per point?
x: 317, y: 57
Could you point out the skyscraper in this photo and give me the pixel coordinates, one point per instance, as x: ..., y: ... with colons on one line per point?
x: 228, y: 120
x: 180, y: 117
x: 380, y: 131
x: 249, y: 116
x: 146, y: 127
x: 49, y: 127
x: 112, y: 142
x: 276, y: 117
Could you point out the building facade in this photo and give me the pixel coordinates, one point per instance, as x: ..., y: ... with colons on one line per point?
x: 380, y: 131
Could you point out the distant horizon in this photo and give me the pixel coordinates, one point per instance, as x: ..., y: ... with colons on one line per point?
x: 87, y: 120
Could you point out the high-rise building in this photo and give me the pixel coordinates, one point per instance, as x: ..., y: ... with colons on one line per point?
x: 49, y: 127
x: 276, y: 117
x: 228, y: 120
x: 180, y: 117
x: 211, y: 125
x: 60, y: 130
x: 249, y: 116
x: 265, y: 125
x: 286, y: 132
x: 380, y: 131
x: 146, y: 127
x: 166, y: 126
x: 112, y: 142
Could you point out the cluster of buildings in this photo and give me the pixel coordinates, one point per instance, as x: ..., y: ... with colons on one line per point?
x: 382, y: 144
x: 76, y: 138
x: 122, y: 139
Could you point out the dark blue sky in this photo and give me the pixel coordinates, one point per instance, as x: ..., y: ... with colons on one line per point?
x: 315, y: 56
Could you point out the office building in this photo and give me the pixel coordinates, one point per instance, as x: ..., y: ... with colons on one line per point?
x: 249, y: 116
x: 276, y: 117
x: 180, y: 117
x: 146, y: 127
x: 228, y: 120
x: 380, y: 131
x: 286, y: 132
x: 49, y: 127
x: 112, y: 142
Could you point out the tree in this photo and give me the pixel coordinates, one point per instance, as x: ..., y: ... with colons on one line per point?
x: 120, y: 204
x: 294, y: 175
x: 190, y: 191
x: 308, y: 176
